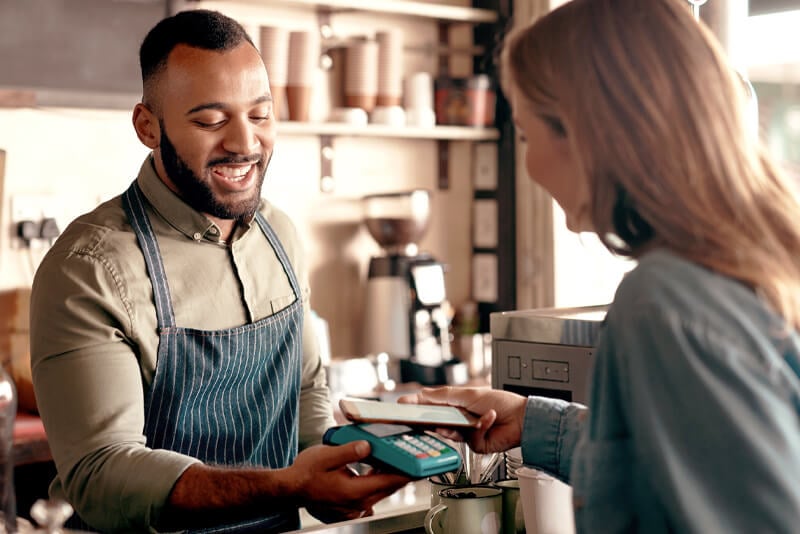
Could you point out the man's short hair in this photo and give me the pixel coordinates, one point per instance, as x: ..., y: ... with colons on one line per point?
x: 199, y: 28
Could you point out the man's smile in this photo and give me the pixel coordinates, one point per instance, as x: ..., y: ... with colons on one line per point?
x: 232, y: 173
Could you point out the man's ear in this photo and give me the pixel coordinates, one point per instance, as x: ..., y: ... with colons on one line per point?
x: 146, y: 125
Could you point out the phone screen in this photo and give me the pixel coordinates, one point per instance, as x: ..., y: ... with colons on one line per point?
x: 381, y: 430
x: 411, y: 413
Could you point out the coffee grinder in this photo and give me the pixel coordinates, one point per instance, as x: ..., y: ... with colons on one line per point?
x: 406, y: 309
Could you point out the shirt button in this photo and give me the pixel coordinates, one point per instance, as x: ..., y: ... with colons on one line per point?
x: 197, y: 236
x: 213, y: 231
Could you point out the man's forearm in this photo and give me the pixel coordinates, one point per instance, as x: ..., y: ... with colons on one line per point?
x: 206, y: 496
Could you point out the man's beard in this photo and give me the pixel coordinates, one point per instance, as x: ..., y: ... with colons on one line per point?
x: 198, y: 193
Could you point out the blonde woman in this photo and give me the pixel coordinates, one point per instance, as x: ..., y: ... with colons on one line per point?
x: 636, y: 124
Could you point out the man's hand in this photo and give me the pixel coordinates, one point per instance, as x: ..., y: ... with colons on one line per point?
x: 501, y: 415
x: 330, y: 491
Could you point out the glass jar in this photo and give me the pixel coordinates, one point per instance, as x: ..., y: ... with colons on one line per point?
x: 8, y: 411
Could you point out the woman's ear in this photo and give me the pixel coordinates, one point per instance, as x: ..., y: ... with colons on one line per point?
x: 147, y: 126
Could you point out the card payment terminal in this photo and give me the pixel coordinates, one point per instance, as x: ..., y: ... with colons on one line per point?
x: 400, y: 447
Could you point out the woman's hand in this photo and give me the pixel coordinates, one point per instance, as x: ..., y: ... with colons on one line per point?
x: 501, y: 415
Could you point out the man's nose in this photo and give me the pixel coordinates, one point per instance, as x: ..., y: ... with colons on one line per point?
x: 240, y: 137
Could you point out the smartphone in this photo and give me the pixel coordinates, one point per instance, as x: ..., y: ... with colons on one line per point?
x: 367, y: 411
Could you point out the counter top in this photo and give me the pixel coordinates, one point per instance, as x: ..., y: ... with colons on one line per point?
x: 30, y: 440
x: 403, y: 511
x: 408, y: 521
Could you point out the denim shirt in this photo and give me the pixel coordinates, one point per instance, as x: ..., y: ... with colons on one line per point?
x: 694, y: 403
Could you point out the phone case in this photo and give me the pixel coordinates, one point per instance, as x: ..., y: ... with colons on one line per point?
x: 350, y: 409
x: 413, y: 453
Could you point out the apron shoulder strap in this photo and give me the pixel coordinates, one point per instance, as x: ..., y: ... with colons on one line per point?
x: 133, y: 203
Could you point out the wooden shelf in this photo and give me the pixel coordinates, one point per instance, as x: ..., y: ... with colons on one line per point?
x: 445, y: 133
x: 396, y: 7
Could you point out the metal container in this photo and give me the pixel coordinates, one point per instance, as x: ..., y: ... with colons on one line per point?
x: 397, y: 219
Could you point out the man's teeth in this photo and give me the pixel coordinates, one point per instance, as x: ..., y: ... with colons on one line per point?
x: 234, y: 174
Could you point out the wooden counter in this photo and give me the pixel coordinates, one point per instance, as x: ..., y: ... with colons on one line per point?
x: 33, y: 464
x: 30, y: 440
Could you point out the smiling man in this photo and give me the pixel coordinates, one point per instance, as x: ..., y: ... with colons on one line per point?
x: 173, y: 361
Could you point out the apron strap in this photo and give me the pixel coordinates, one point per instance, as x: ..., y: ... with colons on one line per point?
x: 133, y: 203
x: 281, y: 253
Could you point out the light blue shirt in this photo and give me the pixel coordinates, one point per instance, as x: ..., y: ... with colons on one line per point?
x: 694, y: 400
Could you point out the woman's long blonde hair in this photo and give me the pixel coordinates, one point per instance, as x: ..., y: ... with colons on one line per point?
x: 658, y: 121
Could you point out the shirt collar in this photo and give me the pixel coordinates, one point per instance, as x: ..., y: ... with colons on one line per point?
x: 175, y: 211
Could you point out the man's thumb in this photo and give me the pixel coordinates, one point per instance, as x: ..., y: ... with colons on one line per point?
x: 362, y: 449
x: 352, y: 452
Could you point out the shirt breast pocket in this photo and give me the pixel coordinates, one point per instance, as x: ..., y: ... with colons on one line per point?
x: 602, y: 486
x: 281, y: 303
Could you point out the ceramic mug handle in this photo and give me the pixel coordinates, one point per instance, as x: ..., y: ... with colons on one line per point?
x: 433, y: 517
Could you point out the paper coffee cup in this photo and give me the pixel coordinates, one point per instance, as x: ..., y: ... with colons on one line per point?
x: 361, y: 75
x: 390, y: 67
x: 418, y: 92
x: 303, y: 58
x: 274, y: 48
x: 298, y: 100
x: 546, y: 503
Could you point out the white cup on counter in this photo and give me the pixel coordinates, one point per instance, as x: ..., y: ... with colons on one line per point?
x: 546, y: 503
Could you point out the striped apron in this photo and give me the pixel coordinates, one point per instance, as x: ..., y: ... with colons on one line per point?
x: 227, y: 397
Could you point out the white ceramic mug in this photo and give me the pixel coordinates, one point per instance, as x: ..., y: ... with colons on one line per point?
x: 466, y: 510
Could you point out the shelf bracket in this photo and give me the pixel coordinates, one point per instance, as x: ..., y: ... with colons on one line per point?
x: 324, y: 23
x: 326, y: 154
x: 443, y: 149
x: 443, y: 146
x: 444, y: 42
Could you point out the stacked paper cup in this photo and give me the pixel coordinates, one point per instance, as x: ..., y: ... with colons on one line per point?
x: 361, y: 75
x: 274, y: 48
x: 390, y: 67
x: 303, y: 54
x: 419, y: 100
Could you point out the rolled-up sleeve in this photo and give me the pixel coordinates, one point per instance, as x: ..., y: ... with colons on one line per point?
x: 89, y: 392
x: 550, y: 432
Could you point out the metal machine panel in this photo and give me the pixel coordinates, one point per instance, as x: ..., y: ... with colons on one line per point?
x: 558, y: 371
x: 546, y: 352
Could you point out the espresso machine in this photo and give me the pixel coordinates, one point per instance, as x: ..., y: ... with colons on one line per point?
x: 406, y: 312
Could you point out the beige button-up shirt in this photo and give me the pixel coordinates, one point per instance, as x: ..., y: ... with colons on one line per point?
x: 94, y: 342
